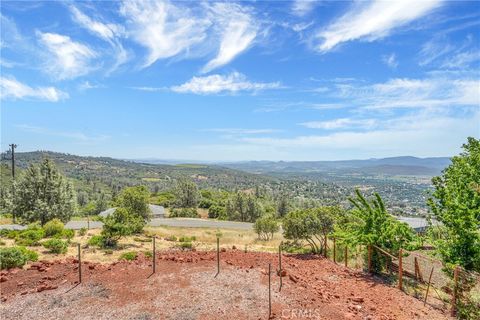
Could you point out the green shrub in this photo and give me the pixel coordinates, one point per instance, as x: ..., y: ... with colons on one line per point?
x: 12, y: 234
x: 185, y: 245
x: 148, y: 254
x: 29, y: 237
x: 171, y: 238
x: 184, y: 213
x: 56, y: 246
x: 187, y: 239
x: 53, y: 227
x: 138, y: 239
x: 15, y: 257
x: 265, y: 227
x: 66, y: 234
x: 217, y: 212
x: 131, y: 255
x: 31, y: 255
x: 95, y: 241
x: 108, y: 251
x: 82, y: 232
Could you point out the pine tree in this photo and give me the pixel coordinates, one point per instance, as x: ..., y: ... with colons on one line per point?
x: 44, y: 194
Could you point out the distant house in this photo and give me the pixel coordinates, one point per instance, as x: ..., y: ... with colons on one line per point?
x: 416, y: 223
x: 157, y: 211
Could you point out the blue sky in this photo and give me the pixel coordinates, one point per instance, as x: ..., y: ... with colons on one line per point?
x: 262, y: 80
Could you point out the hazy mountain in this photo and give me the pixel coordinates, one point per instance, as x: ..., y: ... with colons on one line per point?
x: 391, y: 166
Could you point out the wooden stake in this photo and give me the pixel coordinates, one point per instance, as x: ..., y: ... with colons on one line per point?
x: 334, y: 251
x: 280, y: 265
x: 269, y: 291
x: 370, y: 259
x: 153, y: 256
x: 455, y: 289
x: 400, y: 269
x: 325, y: 246
x: 79, y: 264
x: 218, y: 257
x: 428, y: 287
x: 346, y: 256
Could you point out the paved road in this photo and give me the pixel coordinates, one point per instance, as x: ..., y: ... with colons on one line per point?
x: 171, y: 222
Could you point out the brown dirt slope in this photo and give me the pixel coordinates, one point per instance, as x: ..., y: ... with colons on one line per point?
x: 184, y: 287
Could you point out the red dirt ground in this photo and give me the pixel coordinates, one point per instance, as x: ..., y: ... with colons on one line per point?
x: 184, y: 287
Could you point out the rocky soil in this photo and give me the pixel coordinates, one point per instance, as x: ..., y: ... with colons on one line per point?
x: 185, y: 287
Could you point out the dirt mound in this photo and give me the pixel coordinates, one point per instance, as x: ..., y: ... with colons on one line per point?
x: 185, y: 287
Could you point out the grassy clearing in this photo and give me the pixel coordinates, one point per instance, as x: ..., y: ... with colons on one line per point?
x: 200, y: 238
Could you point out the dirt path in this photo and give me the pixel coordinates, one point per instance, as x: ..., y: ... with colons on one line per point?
x: 184, y: 287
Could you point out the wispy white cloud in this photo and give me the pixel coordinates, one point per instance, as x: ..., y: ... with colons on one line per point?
x: 86, y: 85
x: 216, y: 83
x: 12, y: 89
x: 303, y: 7
x: 238, y: 30
x: 74, y: 135
x: 414, y: 93
x: 165, y: 29
x: 109, y: 32
x: 241, y: 131
x: 390, y: 60
x: 372, y: 21
x: 66, y: 58
x: 341, y: 123
x: 432, y: 131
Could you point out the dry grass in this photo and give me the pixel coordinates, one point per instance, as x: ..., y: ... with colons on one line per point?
x: 205, y: 239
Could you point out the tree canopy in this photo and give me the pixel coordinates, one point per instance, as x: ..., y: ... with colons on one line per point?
x: 456, y: 204
x: 44, y: 194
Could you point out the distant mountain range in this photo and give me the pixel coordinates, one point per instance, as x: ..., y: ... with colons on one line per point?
x: 390, y: 166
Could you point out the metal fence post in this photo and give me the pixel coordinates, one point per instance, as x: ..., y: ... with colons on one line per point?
x: 428, y: 287
x: 79, y: 264
x: 455, y: 289
x: 218, y: 256
x: 269, y: 291
x: 153, y: 255
x: 370, y: 258
x: 334, y: 251
x: 280, y: 265
x: 346, y: 255
x: 400, y: 269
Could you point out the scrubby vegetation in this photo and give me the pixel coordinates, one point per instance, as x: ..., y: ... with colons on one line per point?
x: 129, y: 256
x: 14, y: 257
x: 266, y: 227
x: 56, y: 246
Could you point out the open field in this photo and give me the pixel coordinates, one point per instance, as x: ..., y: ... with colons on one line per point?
x: 184, y: 287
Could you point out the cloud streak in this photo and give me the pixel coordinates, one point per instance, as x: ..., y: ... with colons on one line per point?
x: 372, y: 21
x: 215, y: 84
x: 238, y: 30
x: 12, y: 89
x: 66, y: 59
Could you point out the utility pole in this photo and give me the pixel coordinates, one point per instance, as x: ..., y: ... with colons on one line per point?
x: 13, y: 146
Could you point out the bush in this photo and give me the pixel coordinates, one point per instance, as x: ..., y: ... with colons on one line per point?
x: 108, y: 251
x: 82, y: 232
x: 148, y: 254
x: 15, y: 257
x: 129, y: 256
x: 184, y: 213
x: 187, y: 239
x: 119, y: 224
x: 171, y: 238
x: 56, y: 246
x: 95, y: 241
x: 53, y: 227
x: 185, y: 245
x: 29, y: 237
x: 265, y: 227
x: 66, y: 234
x: 216, y: 212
